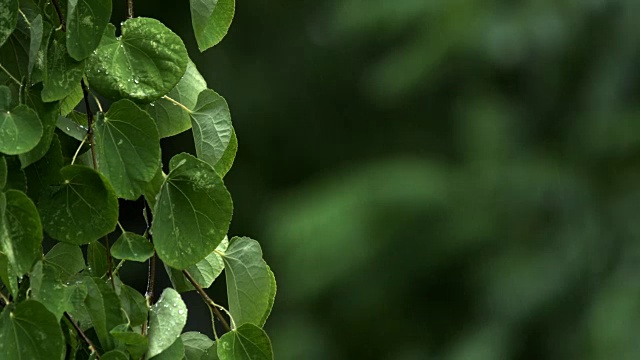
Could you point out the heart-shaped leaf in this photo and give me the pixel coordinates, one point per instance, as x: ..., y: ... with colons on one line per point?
x: 249, y: 283
x: 166, y: 320
x: 248, y: 342
x: 20, y: 127
x: 86, y: 20
x: 211, y: 20
x: 20, y: 232
x: 29, y: 331
x: 82, y: 209
x: 143, y: 64
x: 127, y: 148
x: 204, y: 272
x: 170, y: 118
x: 134, y: 247
x: 211, y: 122
x: 192, y: 212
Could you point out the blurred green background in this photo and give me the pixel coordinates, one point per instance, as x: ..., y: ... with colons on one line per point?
x: 436, y: 179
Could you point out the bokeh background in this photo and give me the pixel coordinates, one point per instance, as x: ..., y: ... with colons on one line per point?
x: 435, y: 179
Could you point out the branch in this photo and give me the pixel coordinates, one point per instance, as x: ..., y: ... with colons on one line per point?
x: 207, y: 299
x: 60, y: 16
x: 92, y: 347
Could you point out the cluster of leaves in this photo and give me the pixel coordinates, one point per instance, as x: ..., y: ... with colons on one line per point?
x: 62, y: 172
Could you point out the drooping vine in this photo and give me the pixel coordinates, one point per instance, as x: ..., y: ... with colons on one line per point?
x: 65, y: 161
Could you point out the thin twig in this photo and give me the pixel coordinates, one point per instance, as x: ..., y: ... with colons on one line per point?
x: 60, y: 16
x: 109, y: 262
x: 129, y: 9
x: 92, y: 347
x: 4, y: 298
x: 85, y: 92
x: 207, y: 300
x: 11, y: 76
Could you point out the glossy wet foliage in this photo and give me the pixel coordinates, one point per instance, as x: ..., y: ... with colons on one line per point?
x: 64, y: 167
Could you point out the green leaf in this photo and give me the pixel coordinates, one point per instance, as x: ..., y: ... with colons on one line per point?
x: 36, y: 31
x: 62, y: 73
x: 70, y: 125
x: 211, y: 353
x: 249, y: 283
x: 86, y: 21
x: 134, y: 304
x: 50, y: 290
x: 103, y: 306
x: 224, y: 164
x: 48, y: 115
x: 192, y: 213
x: 29, y: 331
x: 135, y: 343
x: 134, y: 247
x: 46, y: 171
x: 195, y: 345
x: 173, y: 352
x: 211, y: 122
x: 8, y: 18
x: 83, y: 209
x: 20, y: 127
x: 20, y: 232
x: 14, y: 54
x: 67, y: 258
x: 97, y: 259
x: 272, y: 296
x: 127, y: 148
x: 114, y: 355
x: 143, y: 64
x: 152, y: 189
x: 248, y: 342
x: 170, y: 118
x: 72, y: 100
x: 204, y: 272
x: 166, y: 320
x: 211, y: 20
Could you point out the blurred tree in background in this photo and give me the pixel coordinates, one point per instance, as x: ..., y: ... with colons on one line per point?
x: 438, y: 179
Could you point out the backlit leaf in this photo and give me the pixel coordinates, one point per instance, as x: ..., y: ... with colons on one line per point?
x: 204, y: 272
x: 195, y: 345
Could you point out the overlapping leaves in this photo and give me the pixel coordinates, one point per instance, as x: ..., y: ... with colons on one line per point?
x: 64, y: 167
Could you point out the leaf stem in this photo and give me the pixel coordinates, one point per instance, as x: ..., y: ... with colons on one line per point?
x: 24, y: 17
x: 4, y: 298
x: 208, y: 300
x: 60, y: 16
x: 109, y: 262
x: 11, y: 76
x: 129, y: 9
x: 85, y: 92
x: 177, y: 103
x: 73, y: 160
x: 92, y: 347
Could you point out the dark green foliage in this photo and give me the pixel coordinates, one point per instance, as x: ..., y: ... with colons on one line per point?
x: 64, y: 167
